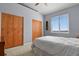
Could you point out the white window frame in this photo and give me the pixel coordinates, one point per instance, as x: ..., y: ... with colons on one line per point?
x: 59, y: 25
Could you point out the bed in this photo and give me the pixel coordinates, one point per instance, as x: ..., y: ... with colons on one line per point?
x: 56, y: 46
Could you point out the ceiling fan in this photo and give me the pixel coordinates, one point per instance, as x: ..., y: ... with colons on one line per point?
x: 36, y: 4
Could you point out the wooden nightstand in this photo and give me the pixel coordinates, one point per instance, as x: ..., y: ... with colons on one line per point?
x: 2, y: 48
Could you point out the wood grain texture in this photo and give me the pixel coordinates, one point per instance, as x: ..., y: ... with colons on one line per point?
x: 12, y: 30
x: 18, y: 30
x: 6, y: 30
x: 36, y: 29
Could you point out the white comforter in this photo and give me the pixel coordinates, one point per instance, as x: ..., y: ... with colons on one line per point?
x: 58, y: 45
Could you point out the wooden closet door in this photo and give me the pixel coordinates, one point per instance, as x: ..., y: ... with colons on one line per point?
x: 7, y: 29
x: 36, y: 29
x: 10, y: 31
x: 33, y: 30
x: 39, y: 28
x: 18, y: 30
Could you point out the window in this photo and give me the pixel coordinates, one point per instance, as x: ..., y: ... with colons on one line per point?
x: 55, y: 23
x: 60, y: 23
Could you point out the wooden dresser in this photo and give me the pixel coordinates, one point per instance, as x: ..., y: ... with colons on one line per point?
x: 2, y: 48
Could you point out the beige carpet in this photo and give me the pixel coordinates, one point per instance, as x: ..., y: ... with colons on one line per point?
x: 24, y: 50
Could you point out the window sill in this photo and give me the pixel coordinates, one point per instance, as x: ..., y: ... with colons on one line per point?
x: 61, y: 32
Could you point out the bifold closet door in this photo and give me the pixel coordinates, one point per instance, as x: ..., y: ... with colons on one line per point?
x: 7, y: 29
x: 18, y: 30
x: 33, y: 30
x: 39, y: 29
x: 36, y: 29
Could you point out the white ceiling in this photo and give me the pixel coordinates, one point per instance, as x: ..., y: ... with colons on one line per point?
x: 50, y: 8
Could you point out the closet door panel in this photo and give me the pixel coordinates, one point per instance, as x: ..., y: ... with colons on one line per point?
x: 40, y: 29
x: 10, y: 31
x: 7, y: 30
x: 36, y: 29
x: 18, y: 30
x: 4, y: 29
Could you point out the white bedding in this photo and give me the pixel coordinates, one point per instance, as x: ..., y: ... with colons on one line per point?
x: 58, y: 45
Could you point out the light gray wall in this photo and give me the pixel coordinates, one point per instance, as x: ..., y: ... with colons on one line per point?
x: 28, y: 15
x: 73, y: 22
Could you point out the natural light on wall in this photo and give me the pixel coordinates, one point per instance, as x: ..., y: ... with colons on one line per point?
x: 60, y: 23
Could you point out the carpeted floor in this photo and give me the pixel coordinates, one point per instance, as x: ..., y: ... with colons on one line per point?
x: 24, y: 50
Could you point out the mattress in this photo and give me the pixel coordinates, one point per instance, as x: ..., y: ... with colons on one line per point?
x: 58, y: 46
